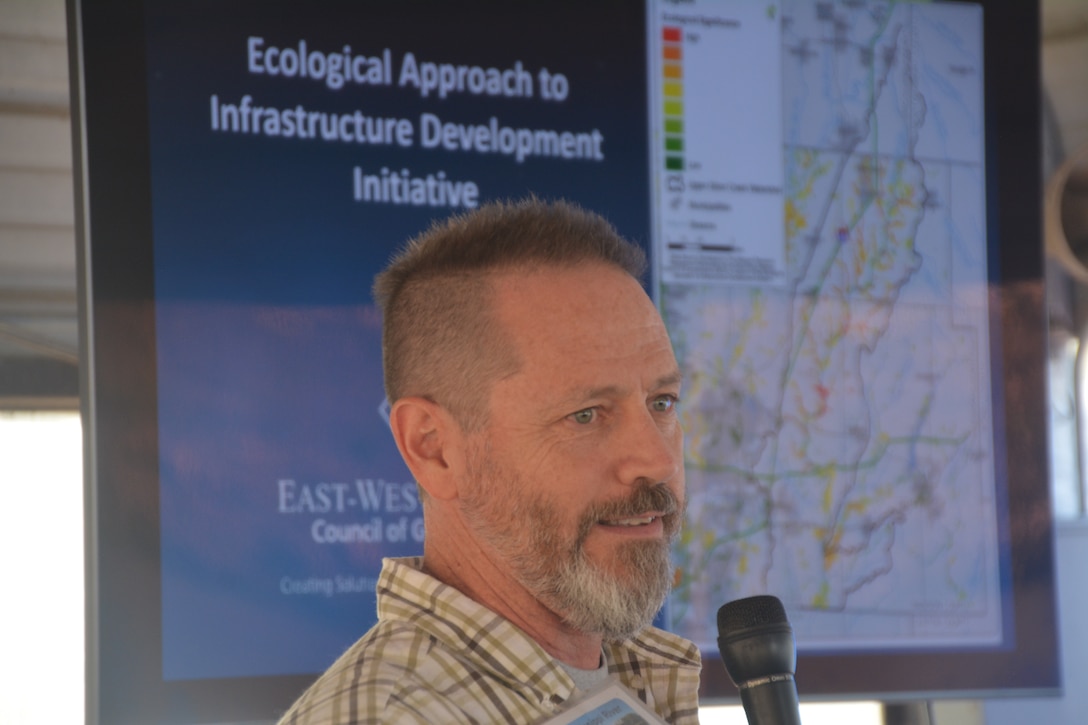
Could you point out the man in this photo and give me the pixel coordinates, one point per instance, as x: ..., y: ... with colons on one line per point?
x: 533, y: 390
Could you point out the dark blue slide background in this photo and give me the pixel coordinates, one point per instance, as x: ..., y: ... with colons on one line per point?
x: 269, y: 363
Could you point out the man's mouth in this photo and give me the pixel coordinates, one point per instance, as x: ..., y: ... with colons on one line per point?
x: 634, y: 521
x: 650, y: 510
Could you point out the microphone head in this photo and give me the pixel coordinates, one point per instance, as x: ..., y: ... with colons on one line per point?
x: 741, y: 614
x: 755, y: 639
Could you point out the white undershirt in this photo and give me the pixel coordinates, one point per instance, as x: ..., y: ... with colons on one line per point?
x: 586, y: 680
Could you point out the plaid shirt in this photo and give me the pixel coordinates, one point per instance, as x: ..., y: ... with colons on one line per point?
x: 435, y: 657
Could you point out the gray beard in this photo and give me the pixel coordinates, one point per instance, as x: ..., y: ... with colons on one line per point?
x: 523, y: 528
x: 593, y: 600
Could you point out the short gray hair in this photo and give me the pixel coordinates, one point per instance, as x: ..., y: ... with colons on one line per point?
x: 440, y: 339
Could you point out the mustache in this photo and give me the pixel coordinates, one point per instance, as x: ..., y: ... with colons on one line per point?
x: 646, y: 497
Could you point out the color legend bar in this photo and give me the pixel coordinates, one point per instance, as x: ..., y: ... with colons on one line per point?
x: 672, y: 92
x: 715, y: 75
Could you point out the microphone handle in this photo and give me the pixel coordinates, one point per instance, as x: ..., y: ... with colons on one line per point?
x: 771, y: 701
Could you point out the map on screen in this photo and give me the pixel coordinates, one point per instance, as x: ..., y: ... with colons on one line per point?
x: 837, y: 401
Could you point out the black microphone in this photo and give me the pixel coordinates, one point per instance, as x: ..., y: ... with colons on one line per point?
x: 756, y: 643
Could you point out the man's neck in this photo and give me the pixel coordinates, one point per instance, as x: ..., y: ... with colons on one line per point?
x: 479, y: 577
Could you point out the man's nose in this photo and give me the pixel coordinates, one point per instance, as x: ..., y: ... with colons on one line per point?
x: 651, y: 449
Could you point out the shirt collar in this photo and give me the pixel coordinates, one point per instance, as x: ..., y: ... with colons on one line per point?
x: 489, y: 641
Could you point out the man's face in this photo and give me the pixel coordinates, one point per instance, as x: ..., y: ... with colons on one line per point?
x: 577, y: 480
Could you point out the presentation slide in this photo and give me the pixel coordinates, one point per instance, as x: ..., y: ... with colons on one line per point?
x: 809, y: 181
x: 292, y: 154
x: 821, y: 240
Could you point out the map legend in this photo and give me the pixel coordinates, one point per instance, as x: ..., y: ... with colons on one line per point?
x: 672, y: 89
x: 717, y: 139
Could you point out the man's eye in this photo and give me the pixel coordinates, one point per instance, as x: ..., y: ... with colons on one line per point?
x: 584, y: 416
x: 663, y: 404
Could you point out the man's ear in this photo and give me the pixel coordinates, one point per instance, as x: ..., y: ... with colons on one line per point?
x: 431, y: 443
